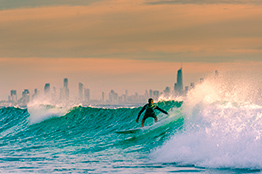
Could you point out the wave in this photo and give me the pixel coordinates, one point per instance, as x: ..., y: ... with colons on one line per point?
x: 13, y: 120
x: 222, y: 127
x: 78, y: 124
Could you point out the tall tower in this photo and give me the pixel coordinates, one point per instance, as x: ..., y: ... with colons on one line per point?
x: 179, y: 84
x: 87, y: 94
x: 167, y: 92
x: 35, y: 94
x: 80, y: 90
x: 66, y: 90
x: 179, y: 81
x: 65, y: 83
x: 13, y: 95
x: 103, y: 96
x: 25, y: 96
x: 47, y: 88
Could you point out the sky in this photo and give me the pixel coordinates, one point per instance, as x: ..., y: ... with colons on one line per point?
x: 125, y: 44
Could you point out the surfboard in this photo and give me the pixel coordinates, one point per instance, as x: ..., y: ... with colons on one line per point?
x: 130, y: 131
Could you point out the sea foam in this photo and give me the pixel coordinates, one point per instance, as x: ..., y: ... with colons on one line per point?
x: 223, y: 127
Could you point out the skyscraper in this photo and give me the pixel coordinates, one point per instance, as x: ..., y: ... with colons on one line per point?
x: 65, y: 83
x: 66, y: 90
x: 113, y: 96
x: 186, y: 89
x: 192, y: 85
x: 103, y: 96
x: 179, y: 84
x: 87, y: 95
x: 167, y: 92
x: 47, y: 88
x: 35, y: 94
x: 146, y: 94
x: 216, y: 73
x: 150, y: 93
x: 25, y: 96
x: 180, y: 81
x: 13, y: 96
x: 156, y: 95
x: 80, y: 91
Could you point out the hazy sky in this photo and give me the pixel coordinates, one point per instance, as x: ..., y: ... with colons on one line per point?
x: 125, y: 44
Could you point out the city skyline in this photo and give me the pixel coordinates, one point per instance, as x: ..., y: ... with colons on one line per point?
x: 104, y: 75
x: 113, y: 97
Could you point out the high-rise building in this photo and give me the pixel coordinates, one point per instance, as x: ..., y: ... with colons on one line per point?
x: 146, y: 94
x: 175, y: 88
x: 150, y: 93
x: 216, y: 73
x: 47, y: 88
x: 80, y: 91
x: 179, y: 84
x: 186, y: 89
x: 13, y: 96
x: 87, y: 95
x: 192, y: 85
x: 64, y: 92
x: 103, y: 96
x: 113, y: 96
x: 167, y: 92
x: 35, y: 94
x: 54, y: 94
x: 156, y: 95
x: 179, y: 81
x: 66, y: 88
x: 65, y: 83
x: 25, y: 96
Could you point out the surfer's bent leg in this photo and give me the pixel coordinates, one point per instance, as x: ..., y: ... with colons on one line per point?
x: 146, y: 116
x: 143, y: 120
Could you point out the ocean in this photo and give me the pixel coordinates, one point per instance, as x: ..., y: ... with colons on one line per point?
x: 212, y: 130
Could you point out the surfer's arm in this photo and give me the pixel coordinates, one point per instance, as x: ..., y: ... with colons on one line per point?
x: 161, y: 110
x: 142, y: 110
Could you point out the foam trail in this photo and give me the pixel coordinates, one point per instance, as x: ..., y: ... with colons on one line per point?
x: 223, y: 127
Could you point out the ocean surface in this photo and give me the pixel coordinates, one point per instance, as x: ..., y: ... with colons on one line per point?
x: 211, y: 131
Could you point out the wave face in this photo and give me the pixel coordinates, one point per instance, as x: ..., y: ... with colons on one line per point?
x: 43, y: 139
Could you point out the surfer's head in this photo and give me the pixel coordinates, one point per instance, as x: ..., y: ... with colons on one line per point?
x: 150, y: 101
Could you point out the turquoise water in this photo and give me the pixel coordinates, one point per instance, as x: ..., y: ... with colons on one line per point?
x: 83, y: 140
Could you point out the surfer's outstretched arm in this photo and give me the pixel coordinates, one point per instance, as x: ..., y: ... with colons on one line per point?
x: 161, y: 110
x: 142, y: 110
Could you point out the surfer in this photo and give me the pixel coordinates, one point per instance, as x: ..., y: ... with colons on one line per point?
x: 150, y: 107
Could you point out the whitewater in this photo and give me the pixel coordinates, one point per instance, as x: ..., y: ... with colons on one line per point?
x: 215, y: 128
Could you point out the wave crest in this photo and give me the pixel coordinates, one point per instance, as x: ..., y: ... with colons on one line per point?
x: 223, y: 127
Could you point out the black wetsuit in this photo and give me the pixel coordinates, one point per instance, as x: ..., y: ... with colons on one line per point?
x: 150, y: 111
